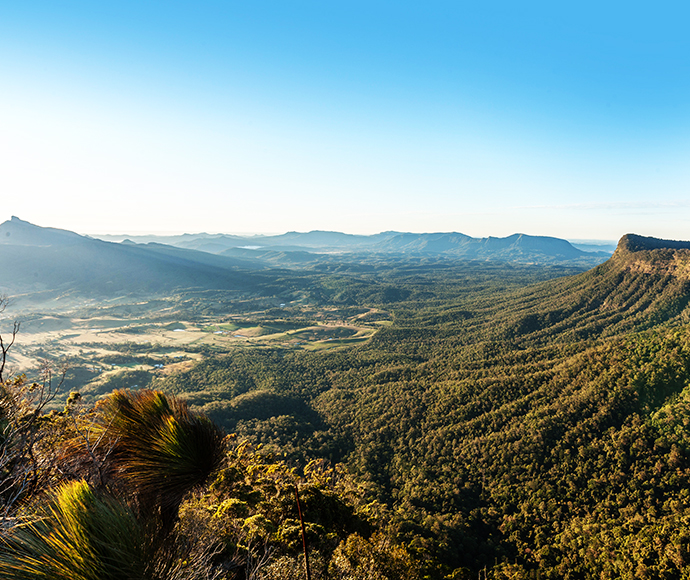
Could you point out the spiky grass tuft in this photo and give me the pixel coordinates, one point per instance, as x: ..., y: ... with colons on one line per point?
x: 79, y: 536
x: 161, y: 449
x: 82, y: 534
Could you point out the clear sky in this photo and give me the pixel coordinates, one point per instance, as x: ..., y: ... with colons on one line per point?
x: 569, y: 119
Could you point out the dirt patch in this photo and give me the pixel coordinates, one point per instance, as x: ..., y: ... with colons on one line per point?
x: 177, y: 367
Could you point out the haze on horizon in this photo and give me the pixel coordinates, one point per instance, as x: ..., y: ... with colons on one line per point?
x: 264, y: 117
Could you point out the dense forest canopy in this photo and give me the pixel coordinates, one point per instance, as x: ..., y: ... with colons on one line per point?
x: 507, y: 420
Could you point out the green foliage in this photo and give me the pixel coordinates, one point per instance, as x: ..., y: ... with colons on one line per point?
x: 159, y: 447
x: 251, y: 510
x: 538, y: 429
x: 23, y: 468
x: 78, y: 536
x: 153, y: 452
x: 375, y: 557
x: 492, y: 427
x: 81, y: 534
x: 129, y: 379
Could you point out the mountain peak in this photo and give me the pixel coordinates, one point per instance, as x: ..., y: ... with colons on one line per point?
x: 16, y: 231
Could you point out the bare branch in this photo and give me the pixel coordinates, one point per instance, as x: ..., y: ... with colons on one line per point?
x: 21, y: 406
x: 92, y: 435
x: 4, y: 346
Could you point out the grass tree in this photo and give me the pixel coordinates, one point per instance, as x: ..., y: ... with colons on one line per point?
x: 153, y: 451
x: 79, y: 535
x: 83, y: 534
x: 160, y: 450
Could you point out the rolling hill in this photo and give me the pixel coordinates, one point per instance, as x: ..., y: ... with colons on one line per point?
x: 645, y: 283
x: 502, y: 418
x: 519, y: 248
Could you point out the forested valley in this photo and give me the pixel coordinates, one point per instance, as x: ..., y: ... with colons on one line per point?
x: 438, y: 419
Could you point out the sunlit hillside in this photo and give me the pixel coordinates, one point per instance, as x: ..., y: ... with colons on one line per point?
x: 441, y: 418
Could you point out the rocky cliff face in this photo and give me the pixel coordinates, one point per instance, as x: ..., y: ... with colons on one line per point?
x: 653, y: 256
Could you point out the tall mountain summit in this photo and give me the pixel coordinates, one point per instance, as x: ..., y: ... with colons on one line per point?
x: 19, y: 232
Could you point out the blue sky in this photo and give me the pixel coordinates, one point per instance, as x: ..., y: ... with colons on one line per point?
x: 563, y: 119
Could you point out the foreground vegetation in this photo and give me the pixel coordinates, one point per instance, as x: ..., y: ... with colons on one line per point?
x: 141, y: 488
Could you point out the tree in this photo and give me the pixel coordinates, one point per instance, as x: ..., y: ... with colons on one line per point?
x: 160, y: 450
x: 21, y: 407
x: 83, y: 534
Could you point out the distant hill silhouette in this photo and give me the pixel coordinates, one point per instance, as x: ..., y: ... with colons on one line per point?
x: 19, y: 232
x: 520, y: 248
x: 33, y: 259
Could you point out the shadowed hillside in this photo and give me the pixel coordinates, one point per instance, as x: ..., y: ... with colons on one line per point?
x: 35, y: 259
x: 518, y: 420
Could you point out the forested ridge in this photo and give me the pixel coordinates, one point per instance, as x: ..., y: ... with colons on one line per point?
x: 495, y: 427
x: 545, y: 428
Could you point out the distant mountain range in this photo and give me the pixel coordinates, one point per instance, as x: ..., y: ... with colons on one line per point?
x: 40, y: 259
x: 292, y: 246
